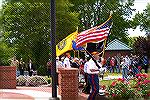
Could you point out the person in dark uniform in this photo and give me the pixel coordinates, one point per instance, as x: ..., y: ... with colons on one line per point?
x: 21, y: 67
x: 30, y: 68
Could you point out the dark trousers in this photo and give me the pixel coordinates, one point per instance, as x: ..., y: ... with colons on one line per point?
x: 146, y: 68
x: 30, y: 73
x: 87, y: 86
x: 94, y: 82
x: 21, y: 72
x: 49, y: 73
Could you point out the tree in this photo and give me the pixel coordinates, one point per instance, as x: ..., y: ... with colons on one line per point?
x: 143, y: 20
x: 142, y: 45
x: 95, y: 12
x: 5, y: 53
x: 26, y: 26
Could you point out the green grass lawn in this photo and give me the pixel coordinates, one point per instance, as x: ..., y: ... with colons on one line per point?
x: 106, y: 82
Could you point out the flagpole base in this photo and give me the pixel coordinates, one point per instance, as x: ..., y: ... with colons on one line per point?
x: 54, y: 98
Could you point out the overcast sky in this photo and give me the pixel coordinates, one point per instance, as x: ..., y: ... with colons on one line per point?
x: 139, y: 5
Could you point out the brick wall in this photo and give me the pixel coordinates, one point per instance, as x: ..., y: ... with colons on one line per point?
x: 112, y: 53
x: 7, y: 77
x: 68, y: 83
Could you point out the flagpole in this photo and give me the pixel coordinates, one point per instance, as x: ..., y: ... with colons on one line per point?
x: 92, y: 57
x: 74, y: 53
x: 78, y: 54
x: 105, y: 42
x: 104, y: 47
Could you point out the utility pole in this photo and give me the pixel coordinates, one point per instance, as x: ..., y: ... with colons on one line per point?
x: 53, y: 50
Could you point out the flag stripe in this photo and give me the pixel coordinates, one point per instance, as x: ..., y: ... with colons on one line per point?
x: 95, y: 33
x: 92, y: 39
x: 99, y: 35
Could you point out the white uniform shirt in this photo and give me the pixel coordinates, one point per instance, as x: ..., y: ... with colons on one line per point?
x: 67, y: 62
x: 59, y: 64
x: 86, y: 66
x: 92, y: 65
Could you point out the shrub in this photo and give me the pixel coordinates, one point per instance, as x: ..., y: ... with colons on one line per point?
x: 138, y: 87
x: 21, y: 81
x: 31, y: 81
x: 37, y: 81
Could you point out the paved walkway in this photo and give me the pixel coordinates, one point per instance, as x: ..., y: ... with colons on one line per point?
x: 110, y: 77
x: 37, y: 93
x: 31, y: 93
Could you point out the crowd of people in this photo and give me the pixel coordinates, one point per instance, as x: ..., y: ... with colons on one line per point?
x: 94, y: 69
x: 21, y: 66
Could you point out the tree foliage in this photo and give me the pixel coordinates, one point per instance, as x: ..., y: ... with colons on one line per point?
x: 26, y: 26
x: 5, y: 53
x: 142, y: 45
x: 143, y: 20
x: 95, y: 12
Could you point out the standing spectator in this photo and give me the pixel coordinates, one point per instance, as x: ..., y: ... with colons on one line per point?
x: 49, y: 67
x: 58, y: 64
x: 112, y: 64
x: 118, y: 63
x: 108, y: 63
x: 93, y: 72
x: 103, y: 69
x: 21, y: 67
x: 87, y: 85
x: 145, y: 63
x: 15, y: 62
x: 125, y: 68
x: 62, y: 60
x: 67, y: 61
x: 30, y: 68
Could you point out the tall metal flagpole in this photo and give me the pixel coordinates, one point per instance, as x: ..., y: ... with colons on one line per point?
x: 53, y: 50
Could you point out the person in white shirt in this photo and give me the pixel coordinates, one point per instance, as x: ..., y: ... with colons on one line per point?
x: 67, y: 61
x: 93, y: 72
x: 58, y: 64
x: 125, y: 68
x: 87, y: 85
x: 103, y: 69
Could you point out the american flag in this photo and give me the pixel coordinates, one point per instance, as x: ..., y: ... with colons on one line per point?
x: 95, y: 34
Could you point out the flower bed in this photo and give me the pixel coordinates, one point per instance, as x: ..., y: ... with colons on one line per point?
x: 31, y: 81
x: 138, y: 87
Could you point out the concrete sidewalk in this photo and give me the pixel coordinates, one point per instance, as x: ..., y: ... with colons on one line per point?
x: 31, y: 93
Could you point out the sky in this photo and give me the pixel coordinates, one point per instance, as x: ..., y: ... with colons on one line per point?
x: 139, y: 5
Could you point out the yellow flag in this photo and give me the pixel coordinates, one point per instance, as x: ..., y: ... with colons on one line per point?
x: 66, y: 44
